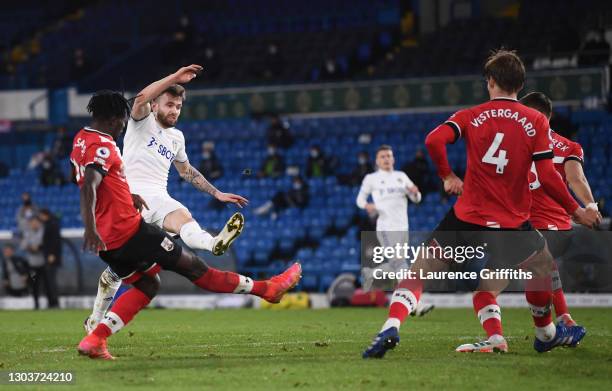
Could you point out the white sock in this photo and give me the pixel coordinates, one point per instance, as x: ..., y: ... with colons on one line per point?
x: 546, y: 333
x: 108, y: 284
x: 245, y: 284
x: 496, y: 338
x: 113, y: 322
x: 196, y: 238
x: 391, y: 322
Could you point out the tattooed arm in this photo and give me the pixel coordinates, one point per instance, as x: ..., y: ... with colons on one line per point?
x: 190, y: 174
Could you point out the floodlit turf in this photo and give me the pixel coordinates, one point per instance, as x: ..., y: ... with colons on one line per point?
x: 258, y: 349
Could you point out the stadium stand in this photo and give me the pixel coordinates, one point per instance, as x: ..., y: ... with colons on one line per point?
x: 328, y: 225
x: 244, y: 42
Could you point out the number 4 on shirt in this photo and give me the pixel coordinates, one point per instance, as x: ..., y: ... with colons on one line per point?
x: 500, y: 160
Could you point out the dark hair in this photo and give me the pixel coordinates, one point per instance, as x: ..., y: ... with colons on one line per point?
x: 175, y: 90
x: 108, y: 104
x: 538, y: 101
x: 506, y: 68
x: 384, y: 147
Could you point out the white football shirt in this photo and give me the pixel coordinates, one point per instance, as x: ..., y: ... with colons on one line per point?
x: 389, y: 193
x: 148, y: 152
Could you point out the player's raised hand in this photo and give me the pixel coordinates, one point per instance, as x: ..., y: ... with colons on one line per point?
x: 139, y: 203
x: 93, y: 242
x: 453, y: 184
x: 588, y: 217
x: 240, y: 201
x: 186, y: 74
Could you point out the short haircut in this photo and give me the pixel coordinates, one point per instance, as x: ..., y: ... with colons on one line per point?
x: 176, y: 91
x: 538, y: 101
x: 384, y: 147
x: 108, y: 104
x: 506, y: 68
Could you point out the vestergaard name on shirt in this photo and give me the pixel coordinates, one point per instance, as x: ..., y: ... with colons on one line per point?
x: 504, y: 113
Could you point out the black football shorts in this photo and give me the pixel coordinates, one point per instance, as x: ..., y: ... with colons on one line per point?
x: 506, y: 248
x: 148, y: 250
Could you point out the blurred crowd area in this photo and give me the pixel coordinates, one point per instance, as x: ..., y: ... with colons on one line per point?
x: 122, y: 44
x: 301, y: 176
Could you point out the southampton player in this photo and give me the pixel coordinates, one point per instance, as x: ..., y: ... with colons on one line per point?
x: 151, y: 145
x: 390, y: 191
x: 502, y: 140
x: 547, y: 215
x: 135, y: 250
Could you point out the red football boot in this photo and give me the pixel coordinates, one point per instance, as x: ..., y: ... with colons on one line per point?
x: 280, y: 284
x: 94, y: 347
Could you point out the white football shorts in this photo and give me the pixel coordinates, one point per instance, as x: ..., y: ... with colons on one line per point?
x: 159, y: 207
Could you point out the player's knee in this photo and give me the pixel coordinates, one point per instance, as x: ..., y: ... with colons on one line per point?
x: 198, y: 267
x: 189, y: 266
x: 108, y: 278
x: 149, y: 285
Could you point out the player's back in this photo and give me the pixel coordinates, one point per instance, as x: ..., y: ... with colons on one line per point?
x: 116, y: 217
x: 502, y: 139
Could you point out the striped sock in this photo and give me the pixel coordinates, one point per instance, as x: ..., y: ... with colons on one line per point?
x: 489, y: 313
x: 404, y: 300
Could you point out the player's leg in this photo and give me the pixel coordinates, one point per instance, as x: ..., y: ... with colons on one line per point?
x: 133, y: 263
x: 404, y: 300
x: 200, y: 274
x: 558, y: 298
x: 121, y: 313
x: 108, y: 284
x: 507, y: 249
x: 406, y: 296
x: 558, y: 243
x: 181, y: 222
x: 538, y: 292
x: 489, y: 314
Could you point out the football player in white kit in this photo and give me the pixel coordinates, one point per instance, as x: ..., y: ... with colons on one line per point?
x: 151, y: 145
x: 390, y: 191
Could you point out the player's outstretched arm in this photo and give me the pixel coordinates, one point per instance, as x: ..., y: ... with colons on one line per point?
x: 553, y: 185
x: 578, y: 182
x: 91, y: 181
x: 142, y: 103
x: 191, y: 174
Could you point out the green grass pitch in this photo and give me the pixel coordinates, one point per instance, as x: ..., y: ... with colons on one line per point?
x: 306, y: 349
